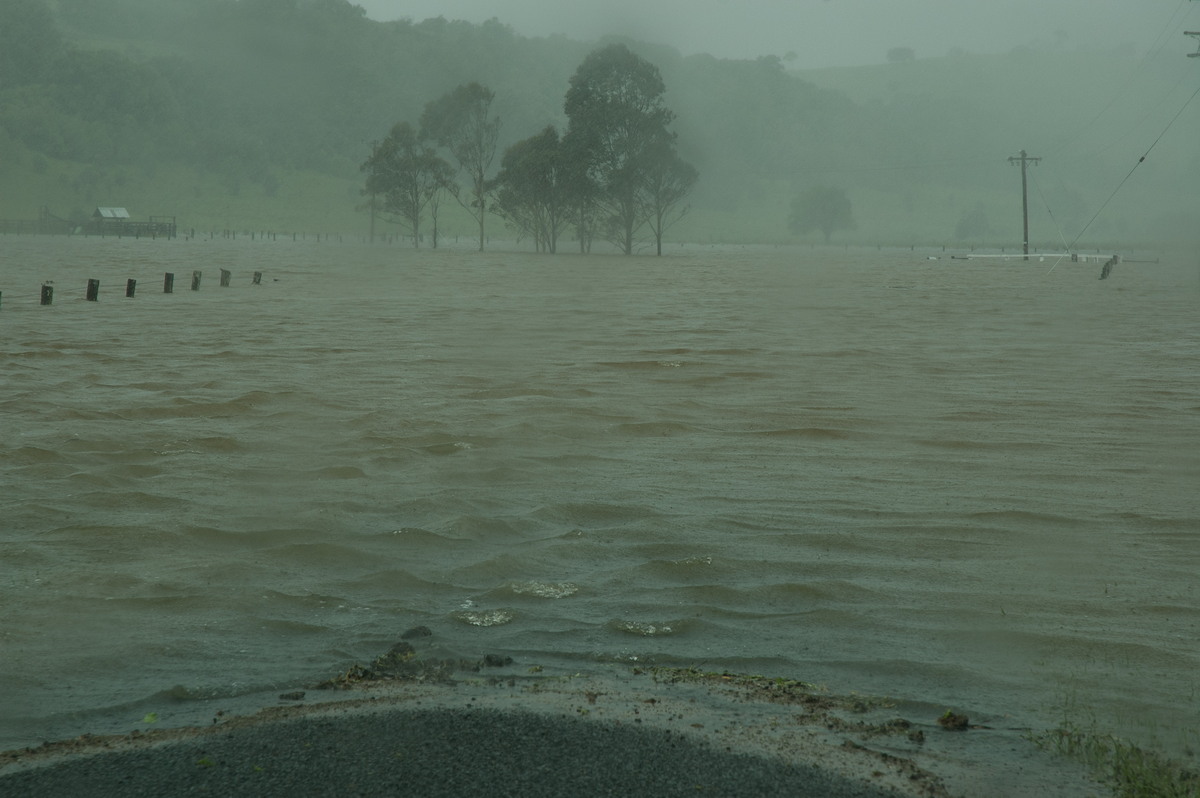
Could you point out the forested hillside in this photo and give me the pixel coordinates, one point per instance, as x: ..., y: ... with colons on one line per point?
x: 258, y: 113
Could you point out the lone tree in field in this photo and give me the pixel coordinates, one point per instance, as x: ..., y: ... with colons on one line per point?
x: 404, y: 175
x: 669, y: 181
x: 628, y: 172
x: 462, y: 122
x: 821, y: 208
x: 973, y: 224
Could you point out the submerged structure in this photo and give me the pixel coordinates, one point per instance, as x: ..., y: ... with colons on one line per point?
x: 113, y: 221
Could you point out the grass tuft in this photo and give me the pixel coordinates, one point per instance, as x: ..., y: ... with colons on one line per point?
x: 1133, y: 772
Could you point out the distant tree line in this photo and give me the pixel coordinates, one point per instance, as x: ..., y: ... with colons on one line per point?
x: 252, y: 94
x: 250, y: 91
x: 613, y: 174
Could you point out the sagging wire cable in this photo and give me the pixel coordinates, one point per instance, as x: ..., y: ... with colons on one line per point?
x: 1061, y: 236
x: 1185, y: 74
x: 1155, y: 48
x: 1140, y: 161
x: 981, y: 161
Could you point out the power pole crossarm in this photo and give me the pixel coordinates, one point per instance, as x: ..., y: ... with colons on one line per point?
x: 1025, y: 160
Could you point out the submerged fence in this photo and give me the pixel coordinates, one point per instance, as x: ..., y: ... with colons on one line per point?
x: 92, y: 290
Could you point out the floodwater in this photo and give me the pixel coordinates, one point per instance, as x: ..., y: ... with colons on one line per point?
x: 970, y: 484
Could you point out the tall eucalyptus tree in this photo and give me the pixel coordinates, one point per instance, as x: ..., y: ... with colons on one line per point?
x: 618, y: 132
x: 462, y: 122
x: 533, y: 190
x: 406, y: 174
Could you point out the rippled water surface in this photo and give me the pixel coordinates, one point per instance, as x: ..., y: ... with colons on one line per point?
x: 964, y: 483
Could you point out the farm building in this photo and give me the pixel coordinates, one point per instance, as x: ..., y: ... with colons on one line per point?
x: 112, y: 221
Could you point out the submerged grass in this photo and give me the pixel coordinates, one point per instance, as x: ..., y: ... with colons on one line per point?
x: 1133, y: 772
x: 1160, y: 762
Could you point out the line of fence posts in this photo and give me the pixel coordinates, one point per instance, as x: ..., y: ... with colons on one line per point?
x: 93, y: 286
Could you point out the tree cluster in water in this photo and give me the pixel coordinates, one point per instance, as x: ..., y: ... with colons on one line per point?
x: 614, y: 173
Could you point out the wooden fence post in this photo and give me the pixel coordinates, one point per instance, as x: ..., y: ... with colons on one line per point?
x: 130, y: 287
x: 168, y: 283
x: 196, y: 280
x: 93, y: 290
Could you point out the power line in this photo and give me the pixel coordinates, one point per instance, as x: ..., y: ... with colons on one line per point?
x: 1050, y: 211
x: 1140, y: 161
x: 1156, y: 47
x: 1132, y: 128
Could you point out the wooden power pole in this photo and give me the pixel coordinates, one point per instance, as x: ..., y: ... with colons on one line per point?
x: 1025, y: 160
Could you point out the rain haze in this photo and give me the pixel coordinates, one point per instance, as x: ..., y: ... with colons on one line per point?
x: 802, y: 377
x: 821, y: 32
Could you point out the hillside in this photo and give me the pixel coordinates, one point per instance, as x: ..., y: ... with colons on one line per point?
x: 1089, y: 115
x: 255, y: 114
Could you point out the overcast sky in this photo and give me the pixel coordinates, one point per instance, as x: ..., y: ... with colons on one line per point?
x: 830, y: 32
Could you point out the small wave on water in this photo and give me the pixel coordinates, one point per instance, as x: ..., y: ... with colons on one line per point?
x: 810, y: 433
x: 33, y: 455
x: 339, y: 472
x: 655, y: 428
x: 1023, y: 519
x: 645, y: 365
x: 647, y: 628
x: 183, y: 407
x: 484, y: 618
x: 214, y: 444
x: 550, y: 590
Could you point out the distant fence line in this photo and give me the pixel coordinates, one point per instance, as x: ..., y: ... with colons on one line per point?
x: 54, y: 226
x: 45, y: 294
x: 260, y: 235
x: 155, y: 229
x: 51, y: 227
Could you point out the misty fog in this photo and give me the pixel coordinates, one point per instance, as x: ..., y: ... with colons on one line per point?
x: 819, y: 33
x: 577, y: 356
x: 258, y: 114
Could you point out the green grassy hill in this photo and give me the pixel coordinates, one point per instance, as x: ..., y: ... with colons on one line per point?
x: 254, y: 115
